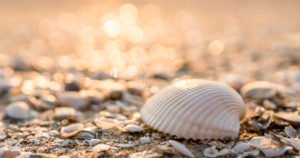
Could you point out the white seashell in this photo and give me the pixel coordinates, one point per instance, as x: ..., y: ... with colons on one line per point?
x: 100, y: 148
x: 133, y: 128
x: 197, y: 109
x: 71, y: 130
x: 181, y: 148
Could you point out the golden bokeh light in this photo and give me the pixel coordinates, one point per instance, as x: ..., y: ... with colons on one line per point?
x: 111, y: 28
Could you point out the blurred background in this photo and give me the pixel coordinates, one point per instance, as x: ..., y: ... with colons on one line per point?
x: 132, y: 38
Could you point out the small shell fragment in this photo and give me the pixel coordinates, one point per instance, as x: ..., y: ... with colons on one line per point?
x: 290, y: 131
x: 197, y: 109
x: 211, y: 152
x: 100, y: 148
x: 106, y: 123
x: 260, y: 90
x: 181, y: 148
x: 240, y: 147
x: 71, y: 130
x: 133, y: 128
x: 268, y: 146
x: 289, y: 116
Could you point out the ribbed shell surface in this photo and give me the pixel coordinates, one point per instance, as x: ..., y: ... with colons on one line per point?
x: 196, y: 109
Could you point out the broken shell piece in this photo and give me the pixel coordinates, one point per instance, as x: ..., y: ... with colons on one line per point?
x: 253, y: 153
x: 260, y: 90
x: 106, y: 123
x: 273, y: 152
x: 240, y: 147
x: 19, y: 111
x: 181, y: 148
x: 268, y: 146
x: 290, y: 131
x: 197, y: 109
x: 71, y: 130
x: 294, y: 142
x: 289, y: 116
x: 133, y: 128
x: 145, y: 154
x: 100, y: 148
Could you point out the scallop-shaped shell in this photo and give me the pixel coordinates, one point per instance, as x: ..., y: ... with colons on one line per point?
x: 196, y: 109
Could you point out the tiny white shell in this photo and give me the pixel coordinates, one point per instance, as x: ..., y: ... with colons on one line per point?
x: 197, y: 109
x: 181, y: 148
x: 133, y: 128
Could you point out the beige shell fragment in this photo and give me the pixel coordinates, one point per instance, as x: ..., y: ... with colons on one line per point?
x: 181, y: 148
x: 197, y: 109
x: 71, y: 130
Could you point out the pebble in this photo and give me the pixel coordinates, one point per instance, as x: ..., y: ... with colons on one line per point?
x: 64, y: 112
x: 10, y: 154
x: 86, y: 135
x: 100, y: 148
x: 116, y: 95
x: 93, y: 142
x: 129, y: 145
x: 4, y: 87
x: 20, y: 111
x: 181, y: 148
x: 72, y: 86
x: 72, y: 99
x: 54, y: 133
x: 260, y: 90
x: 291, y: 117
x: 113, y: 109
x: 145, y: 140
x: 71, y: 130
x: 133, y: 128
